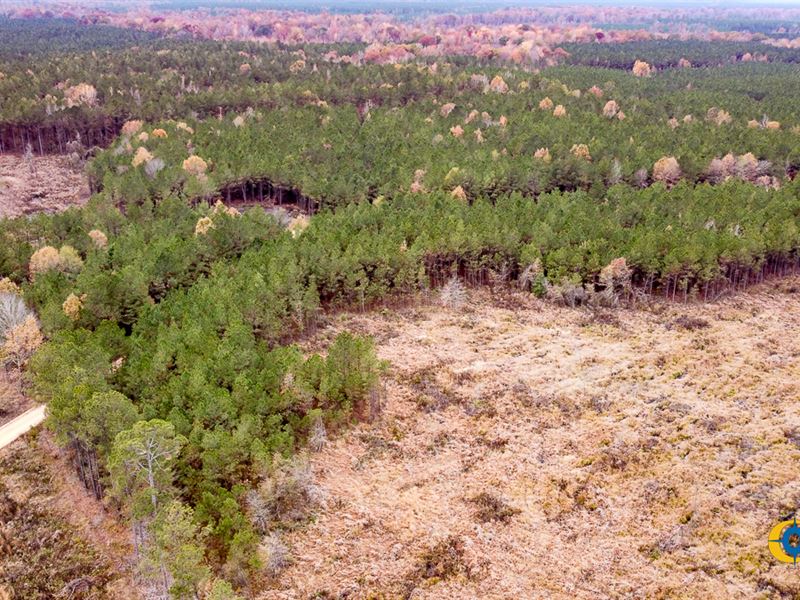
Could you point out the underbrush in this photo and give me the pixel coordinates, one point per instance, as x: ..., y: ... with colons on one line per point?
x: 42, y: 556
x: 490, y: 507
x: 688, y: 323
x: 440, y: 562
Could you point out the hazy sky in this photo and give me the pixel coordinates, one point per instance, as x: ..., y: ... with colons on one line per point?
x: 438, y: 4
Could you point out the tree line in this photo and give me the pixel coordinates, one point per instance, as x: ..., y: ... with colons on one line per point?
x: 666, y: 54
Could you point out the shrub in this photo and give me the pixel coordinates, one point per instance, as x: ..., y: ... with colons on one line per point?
x: 443, y: 561
x: 688, y: 323
x: 453, y: 294
x: 492, y: 508
x: 284, y: 497
x: 600, y: 317
x: 568, y: 292
x: 274, y: 553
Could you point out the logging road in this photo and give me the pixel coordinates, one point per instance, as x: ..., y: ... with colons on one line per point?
x: 20, y: 425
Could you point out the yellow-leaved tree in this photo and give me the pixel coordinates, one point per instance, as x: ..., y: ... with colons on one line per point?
x: 667, y: 170
x: 642, y: 69
x: 19, y: 331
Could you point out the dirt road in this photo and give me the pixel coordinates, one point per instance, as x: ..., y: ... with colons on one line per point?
x: 22, y: 424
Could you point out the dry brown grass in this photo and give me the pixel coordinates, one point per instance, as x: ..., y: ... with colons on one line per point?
x: 54, y: 185
x: 56, y: 541
x: 645, y: 459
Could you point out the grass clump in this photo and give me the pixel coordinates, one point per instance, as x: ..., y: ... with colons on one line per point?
x: 491, y: 508
x: 688, y: 323
x: 444, y: 560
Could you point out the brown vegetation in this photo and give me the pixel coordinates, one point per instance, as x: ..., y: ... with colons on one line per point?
x: 12, y: 401
x: 43, y: 184
x: 664, y: 440
x: 55, y: 542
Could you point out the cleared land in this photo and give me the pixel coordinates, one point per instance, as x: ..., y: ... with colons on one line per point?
x: 55, y: 540
x: 46, y: 184
x: 534, y: 451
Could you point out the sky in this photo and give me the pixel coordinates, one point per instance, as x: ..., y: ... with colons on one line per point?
x: 439, y: 4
